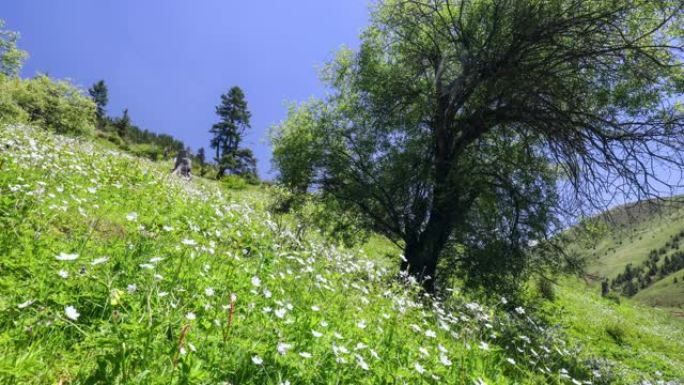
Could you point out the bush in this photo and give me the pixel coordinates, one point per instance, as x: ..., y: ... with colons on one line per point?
x: 149, y: 151
x: 234, y: 182
x: 616, y: 332
x: 54, y: 105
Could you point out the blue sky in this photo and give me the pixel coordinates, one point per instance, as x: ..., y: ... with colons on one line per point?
x: 168, y: 61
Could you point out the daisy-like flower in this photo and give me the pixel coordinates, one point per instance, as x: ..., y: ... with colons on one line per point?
x: 419, y: 368
x: 71, y: 313
x: 209, y: 292
x: 430, y: 333
x: 148, y: 266
x: 63, y: 273
x: 283, y: 348
x: 132, y: 216
x: 362, y: 363
x: 520, y: 310
x: 66, y: 257
x: 132, y: 288
x: 280, y: 313
x: 191, y: 316
x: 444, y: 360
x: 361, y: 324
x: 99, y: 261
x: 256, y: 282
x: 156, y: 259
x: 316, y: 334
x: 167, y: 228
x: 26, y: 304
x: 305, y: 354
x: 484, y: 345
x: 315, y: 308
x: 189, y: 242
x: 510, y: 361
x: 257, y: 360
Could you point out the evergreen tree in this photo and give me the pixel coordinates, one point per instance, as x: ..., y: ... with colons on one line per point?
x: 123, y: 124
x: 201, y: 159
x: 228, y: 132
x: 98, y: 92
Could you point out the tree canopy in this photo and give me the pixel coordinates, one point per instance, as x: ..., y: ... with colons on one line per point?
x: 469, y: 128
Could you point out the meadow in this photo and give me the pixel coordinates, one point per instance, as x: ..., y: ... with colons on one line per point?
x: 112, y: 271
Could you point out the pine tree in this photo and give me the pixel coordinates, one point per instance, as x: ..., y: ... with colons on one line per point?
x: 228, y: 132
x: 100, y: 96
x: 201, y: 159
x: 123, y: 124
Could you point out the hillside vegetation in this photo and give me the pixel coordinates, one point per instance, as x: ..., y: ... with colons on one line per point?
x: 639, y: 249
x: 113, y: 272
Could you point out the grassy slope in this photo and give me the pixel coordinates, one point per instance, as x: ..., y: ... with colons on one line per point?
x: 631, y: 234
x: 665, y: 293
x: 61, y: 195
x: 634, y: 337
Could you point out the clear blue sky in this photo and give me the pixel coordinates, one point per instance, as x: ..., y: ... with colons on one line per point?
x: 168, y: 61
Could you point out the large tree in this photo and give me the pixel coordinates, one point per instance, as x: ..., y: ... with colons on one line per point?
x: 228, y: 132
x: 98, y: 92
x: 464, y: 122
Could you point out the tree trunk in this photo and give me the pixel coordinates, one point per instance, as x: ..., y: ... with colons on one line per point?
x: 422, y: 256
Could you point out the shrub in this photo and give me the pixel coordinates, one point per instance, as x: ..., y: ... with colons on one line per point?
x: 616, y: 332
x: 54, y: 105
x: 149, y: 151
x: 234, y: 182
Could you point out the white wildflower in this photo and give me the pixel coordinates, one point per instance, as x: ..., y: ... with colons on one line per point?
x: 191, y: 316
x: 71, y: 313
x: 257, y: 360
x: 25, y: 304
x: 132, y: 216
x: 66, y: 257
x: 283, y: 348
x: 100, y: 260
x: 444, y: 360
x: 256, y: 281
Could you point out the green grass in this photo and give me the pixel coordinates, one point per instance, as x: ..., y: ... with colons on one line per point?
x: 628, y: 238
x: 635, y: 338
x: 192, y: 283
x: 665, y: 293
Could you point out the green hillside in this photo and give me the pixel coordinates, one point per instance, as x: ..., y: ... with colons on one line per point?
x: 645, y: 236
x: 114, y: 272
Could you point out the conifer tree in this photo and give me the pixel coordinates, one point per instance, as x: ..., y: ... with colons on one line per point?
x: 229, y: 131
x: 99, y: 93
x: 201, y: 159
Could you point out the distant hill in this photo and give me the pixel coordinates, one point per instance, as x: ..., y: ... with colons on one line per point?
x: 639, y: 248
